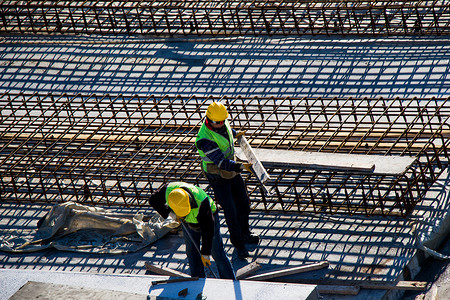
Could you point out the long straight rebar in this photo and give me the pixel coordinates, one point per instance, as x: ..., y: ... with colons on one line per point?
x: 117, y: 149
x: 222, y: 17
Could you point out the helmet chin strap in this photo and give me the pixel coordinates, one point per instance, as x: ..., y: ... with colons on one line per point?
x: 208, y: 124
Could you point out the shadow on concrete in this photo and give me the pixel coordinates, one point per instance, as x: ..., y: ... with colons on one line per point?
x: 253, y: 66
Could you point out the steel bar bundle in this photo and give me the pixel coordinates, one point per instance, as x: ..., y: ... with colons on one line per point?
x: 222, y: 17
x: 117, y: 149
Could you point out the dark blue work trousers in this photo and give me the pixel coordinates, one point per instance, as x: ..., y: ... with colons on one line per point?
x: 232, y: 197
x: 217, y: 252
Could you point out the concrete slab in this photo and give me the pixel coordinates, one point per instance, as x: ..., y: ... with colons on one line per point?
x: 51, y: 291
x: 241, y: 289
x: 383, y: 165
x: 86, y: 286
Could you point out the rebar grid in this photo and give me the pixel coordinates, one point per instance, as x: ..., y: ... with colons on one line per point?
x: 117, y: 149
x: 220, y: 17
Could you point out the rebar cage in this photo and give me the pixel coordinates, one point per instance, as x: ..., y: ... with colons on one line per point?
x: 222, y: 17
x: 117, y: 149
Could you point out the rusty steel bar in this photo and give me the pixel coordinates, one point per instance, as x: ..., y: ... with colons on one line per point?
x: 231, y: 18
x: 117, y: 149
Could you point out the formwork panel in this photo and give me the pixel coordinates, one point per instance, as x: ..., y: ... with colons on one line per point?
x: 117, y: 149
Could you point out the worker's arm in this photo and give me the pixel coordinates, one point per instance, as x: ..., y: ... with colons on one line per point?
x: 212, y: 151
x: 206, y: 222
x: 158, y: 201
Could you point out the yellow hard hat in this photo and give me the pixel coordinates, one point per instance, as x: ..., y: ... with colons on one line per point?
x: 217, y: 112
x: 179, y: 202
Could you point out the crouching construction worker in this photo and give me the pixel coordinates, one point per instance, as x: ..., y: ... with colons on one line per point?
x: 215, y: 146
x: 192, y: 206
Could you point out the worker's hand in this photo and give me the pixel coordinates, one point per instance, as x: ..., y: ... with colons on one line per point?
x: 239, y: 134
x: 248, y: 167
x: 172, y: 220
x: 206, y: 260
x: 238, y: 167
x: 172, y: 216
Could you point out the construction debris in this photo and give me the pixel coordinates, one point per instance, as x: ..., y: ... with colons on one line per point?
x: 183, y: 292
x: 247, y: 270
x: 354, y: 289
x: 165, y: 271
x: 200, y: 297
x: 400, y: 285
x: 338, y: 290
x: 75, y: 227
x: 175, y: 280
x: 363, y: 284
x: 289, y: 271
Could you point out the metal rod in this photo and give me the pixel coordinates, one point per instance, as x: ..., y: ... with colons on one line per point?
x: 195, y: 245
x: 116, y: 149
x: 200, y: 17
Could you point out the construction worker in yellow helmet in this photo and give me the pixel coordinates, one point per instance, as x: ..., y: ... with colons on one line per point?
x: 215, y: 145
x: 191, y: 205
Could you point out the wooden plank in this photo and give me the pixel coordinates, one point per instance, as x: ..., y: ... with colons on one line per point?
x: 363, y: 284
x: 376, y: 164
x: 338, y: 289
x: 164, y: 271
x: 400, y: 285
x: 247, y: 270
x: 289, y: 271
x: 257, y: 166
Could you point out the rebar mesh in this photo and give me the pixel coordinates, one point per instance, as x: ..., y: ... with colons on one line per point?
x: 220, y: 17
x: 117, y: 149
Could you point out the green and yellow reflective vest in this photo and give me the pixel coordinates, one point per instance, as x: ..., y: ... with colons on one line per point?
x: 199, y: 196
x: 226, y: 146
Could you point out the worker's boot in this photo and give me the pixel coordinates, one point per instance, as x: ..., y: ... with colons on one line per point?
x: 242, y: 253
x: 251, y: 238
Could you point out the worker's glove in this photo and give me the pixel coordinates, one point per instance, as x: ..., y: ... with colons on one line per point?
x: 172, y: 216
x: 239, y: 134
x: 172, y: 220
x: 248, y: 167
x: 238, y: 167
x: 206, y: 260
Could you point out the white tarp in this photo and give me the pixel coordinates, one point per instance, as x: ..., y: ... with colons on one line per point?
x: 74, y: 227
